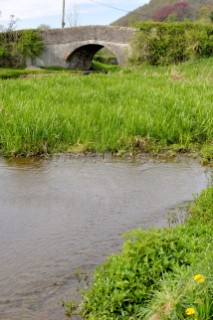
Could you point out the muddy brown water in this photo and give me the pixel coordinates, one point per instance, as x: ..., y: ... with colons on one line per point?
x: 62, y: 216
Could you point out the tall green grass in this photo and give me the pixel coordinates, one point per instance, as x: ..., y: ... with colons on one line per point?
x: 133, y: 109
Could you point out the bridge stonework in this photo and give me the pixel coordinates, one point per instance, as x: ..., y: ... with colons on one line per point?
x: 75, y: 47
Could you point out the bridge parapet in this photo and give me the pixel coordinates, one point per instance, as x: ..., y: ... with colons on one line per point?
x: 84, y: 33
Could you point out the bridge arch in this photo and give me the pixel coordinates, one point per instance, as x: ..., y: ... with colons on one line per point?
x: 82, y: 54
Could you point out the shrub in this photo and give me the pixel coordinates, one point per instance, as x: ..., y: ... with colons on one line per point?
x: 126, y: 282
x: 15, y: 46
x: 154, y: 273
x: 165, y: 43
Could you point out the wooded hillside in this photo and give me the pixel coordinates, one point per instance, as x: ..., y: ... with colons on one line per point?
x: 169, y: 11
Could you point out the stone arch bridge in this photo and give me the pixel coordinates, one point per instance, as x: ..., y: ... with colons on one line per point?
x: 75, y: 47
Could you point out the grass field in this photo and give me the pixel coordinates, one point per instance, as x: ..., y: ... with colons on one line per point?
x: 131, y: 110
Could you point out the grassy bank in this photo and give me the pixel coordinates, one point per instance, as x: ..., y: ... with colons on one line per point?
x: 12, y: 73
x: 160, y: 274
x: 147, y: 109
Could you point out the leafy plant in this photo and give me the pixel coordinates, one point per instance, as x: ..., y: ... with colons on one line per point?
x: 158, y: 273
x: 15, y: 46
x: 127, y: 281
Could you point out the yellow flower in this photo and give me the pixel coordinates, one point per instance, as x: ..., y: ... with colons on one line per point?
x: 199, y: 278
x: 190, y: 311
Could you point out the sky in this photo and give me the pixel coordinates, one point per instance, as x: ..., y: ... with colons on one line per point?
x: 33, y: 13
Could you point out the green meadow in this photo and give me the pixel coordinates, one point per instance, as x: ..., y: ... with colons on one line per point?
x: 132, y: 110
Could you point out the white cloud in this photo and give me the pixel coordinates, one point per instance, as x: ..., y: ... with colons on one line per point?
x: 29, y: 9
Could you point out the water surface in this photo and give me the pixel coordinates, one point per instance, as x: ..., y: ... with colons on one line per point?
x: 61, y: 214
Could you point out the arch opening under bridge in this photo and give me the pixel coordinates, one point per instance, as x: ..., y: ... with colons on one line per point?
x: 82, y: 57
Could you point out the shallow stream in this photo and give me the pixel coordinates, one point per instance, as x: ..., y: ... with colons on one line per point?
x: 61, y: 216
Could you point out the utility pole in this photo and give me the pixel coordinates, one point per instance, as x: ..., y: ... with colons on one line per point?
x: 63, y: 13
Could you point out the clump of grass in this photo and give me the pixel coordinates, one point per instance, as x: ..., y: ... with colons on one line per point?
x: 186, y: 294
x: 70, y: 307
x: 142, y: 110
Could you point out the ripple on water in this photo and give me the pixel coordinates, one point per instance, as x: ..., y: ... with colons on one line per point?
x: 61, y: 214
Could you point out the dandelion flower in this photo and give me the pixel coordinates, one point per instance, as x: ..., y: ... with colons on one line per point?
x: 199, y: 278
x: 190, y: 311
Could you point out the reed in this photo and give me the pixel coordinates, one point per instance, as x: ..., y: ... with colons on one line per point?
x: 132, y: 109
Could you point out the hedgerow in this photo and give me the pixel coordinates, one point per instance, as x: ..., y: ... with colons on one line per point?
x: 165, y: 43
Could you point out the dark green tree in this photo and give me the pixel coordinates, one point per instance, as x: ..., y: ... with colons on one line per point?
x: 211, y: 16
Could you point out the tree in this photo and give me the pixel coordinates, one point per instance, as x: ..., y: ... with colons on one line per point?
x: 43, y: 26
x: 73, y: 16
x: 211, y: 16
x: 179, y: 11
x: 183, y: 10
x: 172, y: 17
x: 12, y: 23
x: 8, y: 39
x: 204, y: 14
x: 1, y: 27
x: 163, y: 13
